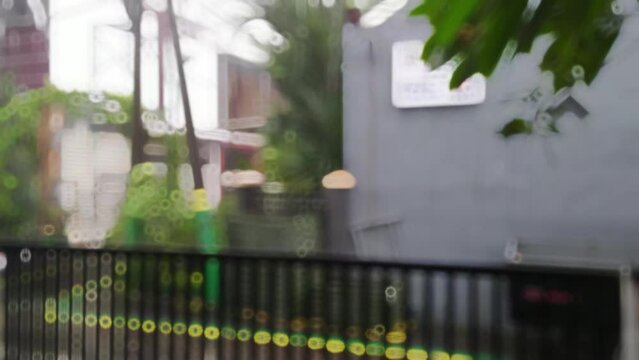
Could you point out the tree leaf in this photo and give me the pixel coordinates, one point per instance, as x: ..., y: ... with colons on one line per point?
x: 448, y: 23
x: 516, y: 127
x: 429, y: 8
x: 495, y: 31
x: 420, y: 10
x: 466, y: 69
x: 535, y: 27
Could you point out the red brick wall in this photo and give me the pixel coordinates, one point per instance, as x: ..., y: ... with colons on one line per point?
x: 24, y: 51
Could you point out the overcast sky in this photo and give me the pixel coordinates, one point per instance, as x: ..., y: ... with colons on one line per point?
x: 91, y: 52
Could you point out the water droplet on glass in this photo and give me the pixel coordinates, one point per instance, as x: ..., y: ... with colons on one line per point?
x: 617, y: 8
x: 112, y: 106
x: 578, y: 72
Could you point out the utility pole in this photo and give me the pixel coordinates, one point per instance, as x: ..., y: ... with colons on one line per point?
x: 139, y: 137
x: 201, y: 207
x: 194, y: 157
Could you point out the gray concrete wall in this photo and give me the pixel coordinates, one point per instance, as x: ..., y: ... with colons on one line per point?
x: 453, y: 190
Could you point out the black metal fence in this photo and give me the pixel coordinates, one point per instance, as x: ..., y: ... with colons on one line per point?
x: 76, y: 304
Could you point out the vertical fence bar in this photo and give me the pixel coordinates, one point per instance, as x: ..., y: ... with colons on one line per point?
x: 356, y: 308
x: 281, y: 313
x: 335, y: 345
x: 521, y: 333
x: 299, y: 306
x: 229, y: 309
x: 91, y: 306
x: 25, y: 304
x: 409, y: 323
x: 120, y: 270
x: 571, y: 337
x: 263, y: 311
x: 77, y: 307
x: 473, y: 302
x: 395, y: 296
x: 13, y: 305
x: 543, y: 329
x: 105, y: 297
x: 414, y: 313
x: 211, y: 307
x: 496, y: 326
x: 246, y: 289
x: 3, y: 305
x: 37, y: 313
x: 164, y: 321
x: 428, y: 309
x: 134, y: 294
x: 450, y: 302
x: 376, y: 330
x: 221, y: 306
x: 196, y: 307
x: 50, y: 304
x: 180, y: 307
x: 37, y: 303
x: 148, y: 301
x: 316, y: 340
x: 64, y: 304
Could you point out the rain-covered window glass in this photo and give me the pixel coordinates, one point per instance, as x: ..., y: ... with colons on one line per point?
x: 319, y: 179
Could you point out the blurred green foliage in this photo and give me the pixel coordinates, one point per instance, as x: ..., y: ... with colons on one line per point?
x: 305, y: 134
x: 477, y: 34
x: 155, y: 199
x: 160, y: 202
x: 21, y: 205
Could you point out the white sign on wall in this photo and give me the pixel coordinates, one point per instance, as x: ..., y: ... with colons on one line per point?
x: 416, y: 85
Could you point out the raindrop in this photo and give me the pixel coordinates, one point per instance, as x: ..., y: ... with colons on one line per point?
x: 112, y: 106
x: 3, y: 261
x: 98, y: 118
x: 390, y: 292
x: 25, y: 255
x: 616, y: 7
x: 149, y: 116
x: 120, y: 118
x: 96, y: 98
x: 544, y: 118
x: 277, y: 40
x: 578, y: 72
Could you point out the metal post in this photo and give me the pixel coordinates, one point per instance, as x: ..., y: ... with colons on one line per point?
x: 190, y: 130
x: 629, y: 316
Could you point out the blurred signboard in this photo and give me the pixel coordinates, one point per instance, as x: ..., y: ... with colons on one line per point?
x: 251, y: 122
x: 239, y: 138
x: 415, y: 85
x: 242, y: 178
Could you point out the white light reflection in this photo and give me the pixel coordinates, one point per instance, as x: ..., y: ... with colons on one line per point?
x: 328, y: 3
x: 381, y: 12
x: 149, y: 26
x: 39, y: 13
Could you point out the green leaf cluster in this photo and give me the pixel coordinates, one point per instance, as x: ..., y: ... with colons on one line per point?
x: 479, y: 33
x: 21, y: 113
x: 155, y: 200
